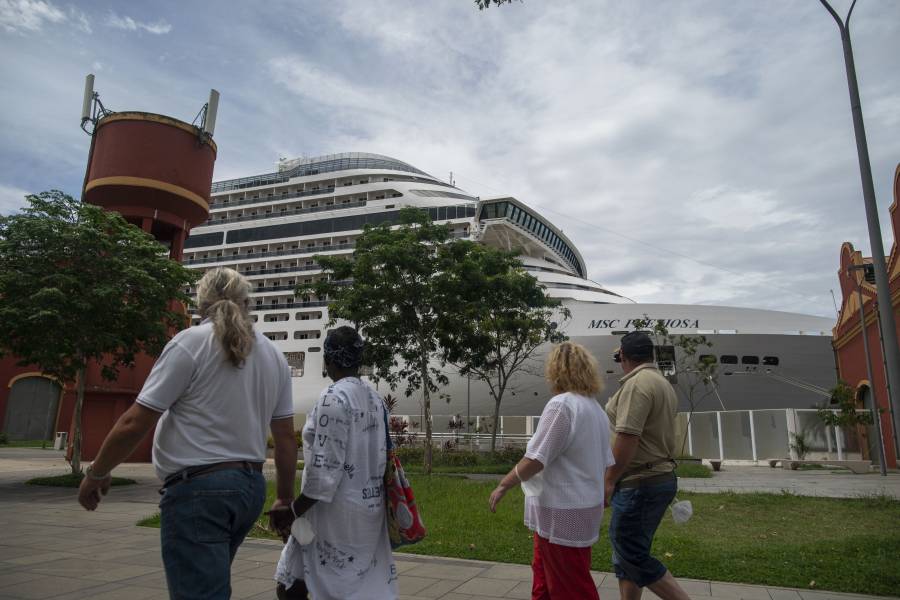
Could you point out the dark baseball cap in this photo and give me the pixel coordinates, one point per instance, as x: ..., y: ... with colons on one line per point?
x: 637, y: 345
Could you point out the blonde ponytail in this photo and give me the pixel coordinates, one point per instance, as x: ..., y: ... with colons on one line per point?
x: 224, y: 295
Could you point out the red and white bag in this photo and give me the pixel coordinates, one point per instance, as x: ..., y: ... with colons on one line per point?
x: 404, y: 522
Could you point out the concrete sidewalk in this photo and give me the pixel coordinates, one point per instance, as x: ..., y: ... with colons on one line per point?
x: 51, y: 548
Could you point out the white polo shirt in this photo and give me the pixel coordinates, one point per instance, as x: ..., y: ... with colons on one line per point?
x: 213, y: 411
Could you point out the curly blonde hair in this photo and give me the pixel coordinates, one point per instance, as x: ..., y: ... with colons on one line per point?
x: 223, y: 296
x: 571, y: 368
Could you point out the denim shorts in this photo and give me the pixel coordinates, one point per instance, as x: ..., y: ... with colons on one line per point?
x: 636, y: 513
x: 202, y: 523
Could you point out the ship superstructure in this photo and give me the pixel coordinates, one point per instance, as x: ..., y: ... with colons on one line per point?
x: 270, y: 227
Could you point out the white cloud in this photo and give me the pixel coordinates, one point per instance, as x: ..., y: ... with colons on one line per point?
x: 28, y: 15
x: 128, y: 24
x: 12, y: 199
x: 80, y: 20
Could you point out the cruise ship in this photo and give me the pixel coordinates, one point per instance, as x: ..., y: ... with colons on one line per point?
x: 270, y: 227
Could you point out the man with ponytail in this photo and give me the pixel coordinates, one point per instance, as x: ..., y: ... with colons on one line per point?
x: 213, y: 394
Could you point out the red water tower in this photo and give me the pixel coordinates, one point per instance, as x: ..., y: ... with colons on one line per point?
x: 156, y: 172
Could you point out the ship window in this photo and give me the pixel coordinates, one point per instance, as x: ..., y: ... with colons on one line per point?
x: 665, y: 358
x: 750, y: 360
x: 295, y: 361
x: 314, y: 349
x: 729, y: 359
x: 709, y: 359
x: 770, y: 361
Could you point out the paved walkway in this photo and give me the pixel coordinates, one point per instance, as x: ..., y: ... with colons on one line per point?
x: 51, y: 548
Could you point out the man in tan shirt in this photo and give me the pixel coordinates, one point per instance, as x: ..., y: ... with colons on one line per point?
x: 642, y: 483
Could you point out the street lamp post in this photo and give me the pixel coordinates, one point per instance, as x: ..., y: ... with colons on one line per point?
x: 876, y: 418
x: 885, y: 307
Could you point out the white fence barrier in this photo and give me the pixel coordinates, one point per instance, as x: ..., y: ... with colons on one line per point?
x: 734, y: 435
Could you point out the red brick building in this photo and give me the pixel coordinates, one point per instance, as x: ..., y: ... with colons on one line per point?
x: 847, y: 335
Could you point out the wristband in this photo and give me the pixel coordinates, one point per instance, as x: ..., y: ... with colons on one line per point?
x: 89, y: 473
x: 516, y: 470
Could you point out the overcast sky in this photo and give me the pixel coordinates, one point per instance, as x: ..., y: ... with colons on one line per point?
x: 695, y: 152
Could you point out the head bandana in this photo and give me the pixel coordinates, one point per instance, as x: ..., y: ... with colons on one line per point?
x: 347, y: 356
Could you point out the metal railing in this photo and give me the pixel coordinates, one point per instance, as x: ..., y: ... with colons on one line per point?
x: 272, y: 198
x: 282, y: 213
x: 272, y: 253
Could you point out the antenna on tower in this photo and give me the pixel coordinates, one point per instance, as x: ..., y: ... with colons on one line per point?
x: 207, y: 116
x: 92, y: 110
x: 212, y: 108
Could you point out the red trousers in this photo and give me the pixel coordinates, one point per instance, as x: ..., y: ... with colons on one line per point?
x: 561, y: 572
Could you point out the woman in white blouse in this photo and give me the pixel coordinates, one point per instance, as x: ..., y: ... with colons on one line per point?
x: 562, y: 476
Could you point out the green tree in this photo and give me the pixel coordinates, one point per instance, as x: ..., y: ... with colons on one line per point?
x: 844, y: 399
x: 393, y: 300
x: 499, y: 317
x: 80, y: 284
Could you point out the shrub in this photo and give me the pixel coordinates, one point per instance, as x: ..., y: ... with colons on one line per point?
x: 4, y: 439
x: 459, y: 458
x: 508, y: 454
x: 410, y: 454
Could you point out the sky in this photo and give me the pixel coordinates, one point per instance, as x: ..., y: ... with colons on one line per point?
x: 695, y: 151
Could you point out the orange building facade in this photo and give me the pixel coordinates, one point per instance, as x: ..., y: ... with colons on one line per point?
x: 848, y: 333
x: 157, y: 173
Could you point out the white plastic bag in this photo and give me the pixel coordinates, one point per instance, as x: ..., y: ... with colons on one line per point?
x: 682, y: 511
x: 534, y: 486
x: 302, y: 531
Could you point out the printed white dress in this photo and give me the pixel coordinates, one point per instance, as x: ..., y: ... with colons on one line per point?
x: 344, y: 459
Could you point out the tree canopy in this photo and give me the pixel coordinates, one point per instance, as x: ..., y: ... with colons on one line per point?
x: 393, y: 300
x: 78, y: 283
x: 483, y: 4
x: 423, y: 300
x: 500, y: 317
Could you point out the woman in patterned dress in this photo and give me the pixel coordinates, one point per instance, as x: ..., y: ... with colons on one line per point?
x: 342, y: 492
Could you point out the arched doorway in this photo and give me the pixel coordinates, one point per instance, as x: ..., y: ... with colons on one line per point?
x: 31, y: 408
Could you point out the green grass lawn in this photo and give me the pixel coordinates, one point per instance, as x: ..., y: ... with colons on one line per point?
x: 692, y: 470
x: 846, y: 545
x: 73, y: 481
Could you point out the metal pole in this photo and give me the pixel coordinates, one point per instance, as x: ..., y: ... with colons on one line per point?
x: 753, y: 437
x: 876, y: 418
x: 885, y: 307
x: 719, y: 431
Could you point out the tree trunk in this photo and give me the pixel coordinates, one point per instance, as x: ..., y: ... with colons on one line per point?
x: 76, y: 421
x: 496, y: 424
x: 426, y: 403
